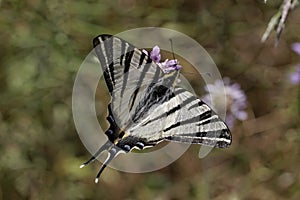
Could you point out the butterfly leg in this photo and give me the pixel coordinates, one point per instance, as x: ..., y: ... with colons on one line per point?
x: 102, y: 148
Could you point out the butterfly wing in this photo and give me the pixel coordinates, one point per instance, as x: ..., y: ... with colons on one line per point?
x: 183, y: 118
x: 197, y: 123
x: 146, y: 108
x: 128, y: 72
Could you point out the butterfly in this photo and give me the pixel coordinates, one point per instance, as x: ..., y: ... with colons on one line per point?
x: 147, y: 106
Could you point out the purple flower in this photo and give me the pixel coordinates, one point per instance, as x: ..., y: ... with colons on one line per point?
x: 295, y: 77
x: 296, y: 47
x: 155, y: 54
x: 236, y: 100
x: 170, y: 65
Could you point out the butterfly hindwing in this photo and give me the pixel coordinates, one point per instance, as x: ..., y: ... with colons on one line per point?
x: 197, y: 123
x: 183, y: 118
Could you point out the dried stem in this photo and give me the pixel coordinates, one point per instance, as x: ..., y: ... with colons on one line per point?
x: 278, y: 20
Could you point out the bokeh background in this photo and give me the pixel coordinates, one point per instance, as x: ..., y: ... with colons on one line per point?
x: 42, y: 46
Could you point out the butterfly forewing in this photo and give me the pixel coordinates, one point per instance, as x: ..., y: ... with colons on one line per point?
x: 127, y: 72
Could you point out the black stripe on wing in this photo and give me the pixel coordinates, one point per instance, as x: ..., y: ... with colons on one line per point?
x: 128, y: 57
x: 194, y: 122
x: 104, y: 59
x: 146, y: 68
x: 172, y: 110
x: 105, y: 49
x: 220, y: 139
x: 108, y: 46
x: 113, y: 53
x: 214, y: 131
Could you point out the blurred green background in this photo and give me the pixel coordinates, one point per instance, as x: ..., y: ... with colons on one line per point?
x: 42, y: 46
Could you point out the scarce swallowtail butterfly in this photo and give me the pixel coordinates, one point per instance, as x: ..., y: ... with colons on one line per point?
x: 146, y: 105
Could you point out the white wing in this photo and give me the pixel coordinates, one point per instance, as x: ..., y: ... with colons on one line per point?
x: 183, y: 118
x: 128, y: 72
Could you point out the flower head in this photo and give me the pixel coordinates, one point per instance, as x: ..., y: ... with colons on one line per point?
x: 168, y: 65
x: 296, y: 47
x: 236, y: 100
x: 295, y: 77
x: 155, y: 54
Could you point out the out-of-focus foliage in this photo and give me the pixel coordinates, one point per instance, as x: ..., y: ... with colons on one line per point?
x: 42, y: 46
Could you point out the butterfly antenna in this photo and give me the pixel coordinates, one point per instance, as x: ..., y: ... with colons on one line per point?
x: 194, y: 73
x: 111, y: 155
x: 172, y: 48
x: 102, y: 148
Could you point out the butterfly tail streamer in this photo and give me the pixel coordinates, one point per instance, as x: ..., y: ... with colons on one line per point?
x: 113, y: 152
x: 104, y: 147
